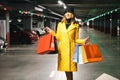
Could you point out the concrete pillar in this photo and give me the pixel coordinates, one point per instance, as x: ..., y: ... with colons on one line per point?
x: 114, y: 18
x: 4, y: 26
x: 107, y: 24
x: 8, y: 28
x: 118, y: 23
x: 40, y: 24
x: 53, y: 24
x: 47, y: 22
x: 97, y: 22
x: 90, y: 24
x: 102, y: 24
x: 94, y: 24
x: 3, y: 29
x: 110, y: 24
x: 27, y: 22
x: 118, y: 27
x: 115, y: 23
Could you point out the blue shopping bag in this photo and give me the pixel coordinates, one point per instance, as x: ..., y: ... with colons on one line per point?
x: 78, y: 55
x: 75, y: 57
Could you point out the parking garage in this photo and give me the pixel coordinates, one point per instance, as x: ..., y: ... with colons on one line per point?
x: 21, y: 19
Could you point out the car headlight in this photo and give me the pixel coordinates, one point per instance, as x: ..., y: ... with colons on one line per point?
x: 1, y: 42
x: 1, y: 47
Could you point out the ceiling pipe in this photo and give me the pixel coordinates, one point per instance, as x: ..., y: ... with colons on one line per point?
x: 52, y: 12
x: 44, y: 8
x: 55, y: 13
x: 51, y: 17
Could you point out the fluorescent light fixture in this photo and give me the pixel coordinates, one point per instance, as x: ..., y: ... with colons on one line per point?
x: 38, y: 9
x: 19, y: 20
x: 64, y: 6
x: 60, y: 2
x: 41, y: 7
x: 10, y: 21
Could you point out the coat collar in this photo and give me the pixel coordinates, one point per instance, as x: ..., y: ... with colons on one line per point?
x: 72, y: 26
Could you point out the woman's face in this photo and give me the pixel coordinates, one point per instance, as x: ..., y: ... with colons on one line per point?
x: 68, y: 15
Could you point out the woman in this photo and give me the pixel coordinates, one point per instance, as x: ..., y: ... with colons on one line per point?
x: 67, y: 36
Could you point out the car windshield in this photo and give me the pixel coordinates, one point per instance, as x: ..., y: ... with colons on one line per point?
x: 1, y: 38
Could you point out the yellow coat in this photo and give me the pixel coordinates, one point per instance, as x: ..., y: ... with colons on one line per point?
x: 67, y: 38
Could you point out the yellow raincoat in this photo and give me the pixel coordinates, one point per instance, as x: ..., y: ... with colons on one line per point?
x: 67, y: 38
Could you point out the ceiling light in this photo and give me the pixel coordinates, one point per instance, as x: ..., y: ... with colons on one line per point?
x: 64, y: 6
x: 60, y: 2
x: 38, y: 9
x: 41, y: 7
x: 19, y: 20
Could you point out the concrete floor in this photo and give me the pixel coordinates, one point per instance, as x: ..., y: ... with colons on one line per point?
x: 21, y: 62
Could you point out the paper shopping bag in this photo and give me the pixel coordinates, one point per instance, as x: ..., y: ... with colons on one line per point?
x: 79, y: 55
x: 76, y: 54
x: 92, y: 52
x: 45, y: 44
x: 87, y: 53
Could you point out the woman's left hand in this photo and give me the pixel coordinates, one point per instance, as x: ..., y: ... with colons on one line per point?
x: 87, y: 40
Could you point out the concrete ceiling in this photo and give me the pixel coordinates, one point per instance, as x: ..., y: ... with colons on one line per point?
x: 83, y: 9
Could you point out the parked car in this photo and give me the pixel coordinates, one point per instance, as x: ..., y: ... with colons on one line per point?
x: 39, y: 31
x: 19, y: 35
x: 3, y: 45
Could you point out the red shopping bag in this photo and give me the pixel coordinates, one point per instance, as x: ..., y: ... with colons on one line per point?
x: 46, y: 44
x: 92, y: 52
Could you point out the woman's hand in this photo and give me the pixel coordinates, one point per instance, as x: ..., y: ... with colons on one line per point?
x: 47, y: 29
x: 87, y: 40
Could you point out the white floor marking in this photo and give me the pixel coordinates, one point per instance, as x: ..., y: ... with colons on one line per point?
x: 105, y: 76
x: 60, y: 76
x: 52, y: 74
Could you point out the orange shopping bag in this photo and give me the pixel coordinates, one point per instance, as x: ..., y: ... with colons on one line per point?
x: 46, y: 44
x: 92, y: 52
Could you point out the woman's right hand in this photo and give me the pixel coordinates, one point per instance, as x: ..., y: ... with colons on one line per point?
x: 47, y: 29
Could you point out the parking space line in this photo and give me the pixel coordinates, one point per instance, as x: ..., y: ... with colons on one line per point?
x: 52, y: 74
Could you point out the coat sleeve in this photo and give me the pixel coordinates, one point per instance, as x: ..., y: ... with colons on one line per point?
x: 77, y: 40
x: 57, y: 33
